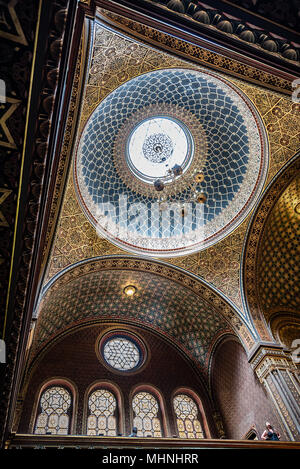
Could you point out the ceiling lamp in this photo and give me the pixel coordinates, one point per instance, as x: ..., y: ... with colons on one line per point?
x: 130, y: 290
x: 201, y: 198
x: 194, y: 185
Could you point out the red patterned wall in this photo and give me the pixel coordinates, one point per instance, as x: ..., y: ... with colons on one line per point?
x: 241, y: 398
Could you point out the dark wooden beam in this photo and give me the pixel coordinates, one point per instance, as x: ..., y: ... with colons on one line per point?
x: 183, y: 27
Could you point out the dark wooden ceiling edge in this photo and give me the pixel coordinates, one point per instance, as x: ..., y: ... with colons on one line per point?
x: 53, y: 71
x: 259, y: 18
x: 272, y: 78
x: 187, y: 29
x: 68, y: 140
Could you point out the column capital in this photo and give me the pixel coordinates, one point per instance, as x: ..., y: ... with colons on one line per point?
x: 267, y: 358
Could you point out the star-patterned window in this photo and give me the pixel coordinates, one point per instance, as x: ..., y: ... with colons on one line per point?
x: 187, y: 417
x: 102, y: 419
x: 146, y: 415
x: 122, y: 352
x: 54, y: 412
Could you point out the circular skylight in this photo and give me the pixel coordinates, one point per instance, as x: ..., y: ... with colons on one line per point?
x: 156, y: 145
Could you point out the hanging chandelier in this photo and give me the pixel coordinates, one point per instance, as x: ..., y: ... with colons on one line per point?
x: 172, y: 175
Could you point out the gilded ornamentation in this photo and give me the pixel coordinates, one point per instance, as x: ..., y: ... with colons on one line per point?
x: 276, y: 371
x: 11, y: 28
x: 203, y: 56
x: 9, y: 107
x: 163, y: 270
x: 281, y: 285
x: 115, y: 59
x: 4, y: 194
x: 279, y: 246
x: 281, y: 407
x: 162, y: 109
x: 167, y: 299
x: 214, y: 18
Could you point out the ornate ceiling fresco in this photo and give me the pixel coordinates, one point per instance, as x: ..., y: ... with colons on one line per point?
x: 278, y: 266
x: 115, y: 61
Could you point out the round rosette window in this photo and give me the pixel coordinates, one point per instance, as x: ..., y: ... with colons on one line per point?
x: 122, y: 352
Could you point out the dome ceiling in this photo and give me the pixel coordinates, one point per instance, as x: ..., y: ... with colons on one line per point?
x: 115, y: 61
x: 170, y: 162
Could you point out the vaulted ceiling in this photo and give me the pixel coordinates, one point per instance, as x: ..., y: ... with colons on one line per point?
x: 115, y: 60
x: 271, y: 255
x: 182, y: 308
x: 247, y: 279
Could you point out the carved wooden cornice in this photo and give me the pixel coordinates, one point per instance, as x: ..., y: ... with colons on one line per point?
x: 217, y: 19
x: 195, y: 48
x: 235, y: 31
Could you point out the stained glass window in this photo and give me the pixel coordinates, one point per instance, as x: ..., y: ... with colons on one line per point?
x: 54, y: 416
x: 186, y: 411
x: 146, y: 411
x: 121, y: 353
x: 102, y: 420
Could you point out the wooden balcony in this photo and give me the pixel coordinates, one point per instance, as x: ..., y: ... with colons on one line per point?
x: 23, y: 441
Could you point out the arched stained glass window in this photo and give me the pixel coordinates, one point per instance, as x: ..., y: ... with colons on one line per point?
x: 55, y: 412
x: 102, y: 419
x: 186, y: 411
x: 146, y: 411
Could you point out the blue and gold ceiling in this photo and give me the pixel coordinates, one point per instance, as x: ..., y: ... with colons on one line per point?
x: 203, y: 300
x: 241, y: 143
x: 229, y: 150
x: 115, y: 60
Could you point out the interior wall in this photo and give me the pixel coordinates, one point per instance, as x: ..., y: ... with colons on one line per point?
x: 75, y: 359
x: 241, y: 398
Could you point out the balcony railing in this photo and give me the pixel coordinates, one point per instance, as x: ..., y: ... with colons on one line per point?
x: 22, y: 441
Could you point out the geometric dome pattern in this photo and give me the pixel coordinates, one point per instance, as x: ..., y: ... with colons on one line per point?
x: 278, y: 257
x: 227, y: 145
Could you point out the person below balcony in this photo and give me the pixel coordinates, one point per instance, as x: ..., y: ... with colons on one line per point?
x: 270, y: 433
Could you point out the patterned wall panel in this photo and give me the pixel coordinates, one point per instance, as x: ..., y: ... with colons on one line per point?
x: 271, y: 254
